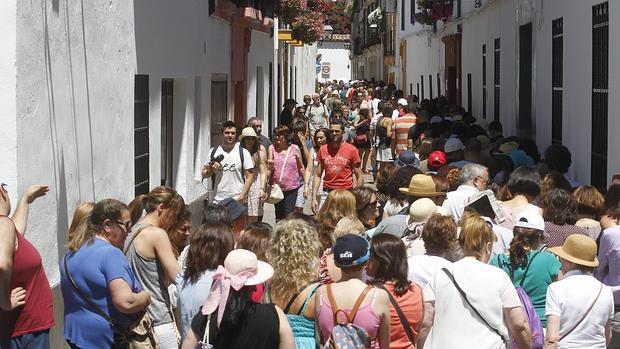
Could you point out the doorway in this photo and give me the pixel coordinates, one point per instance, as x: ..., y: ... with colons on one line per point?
x: 525, y: 80
x: 452, y: 45
x: 167, y: 94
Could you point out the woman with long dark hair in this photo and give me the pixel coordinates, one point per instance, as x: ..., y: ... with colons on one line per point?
x: 524, y: 187
x: 209, y: 246
x: 526, y: 253
x: 388, y: 268
x: 256, y: 195
x: 233, y: 319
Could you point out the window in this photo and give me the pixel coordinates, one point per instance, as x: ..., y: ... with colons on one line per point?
x: 484, y: 81
x: 418, y: 89
x: 410, y: 89
x: 438, y: 86
x: 270, y: 98
x: 412, y: 11
x: 211, y: 7
x: 402, y: 15
x: 167, y: 109
x: 557, y: 85
x: 600, y: 68
x: 260, y: 93
x: 219, y: 106
x: 469, y: 106
x: 422, y: 84
x: 430, y: 86
x: 141, y: 134
x: 496, y: 81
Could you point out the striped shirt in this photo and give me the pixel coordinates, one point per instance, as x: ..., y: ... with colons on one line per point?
x: 401, y: 131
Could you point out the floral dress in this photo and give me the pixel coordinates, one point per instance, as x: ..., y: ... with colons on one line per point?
x: 255, y: 203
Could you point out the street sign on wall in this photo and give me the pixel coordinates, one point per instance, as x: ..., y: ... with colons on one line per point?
x: 325, y: 70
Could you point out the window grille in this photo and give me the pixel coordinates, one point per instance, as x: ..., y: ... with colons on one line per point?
x: 600, y: 68
x: 557, y: 85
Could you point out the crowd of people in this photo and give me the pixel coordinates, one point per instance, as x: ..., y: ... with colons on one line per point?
x: 399, y: 223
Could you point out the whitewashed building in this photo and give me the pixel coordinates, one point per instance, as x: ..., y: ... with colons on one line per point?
x: 335, y: 51
x: 107, y: 99
x: 543, y: 68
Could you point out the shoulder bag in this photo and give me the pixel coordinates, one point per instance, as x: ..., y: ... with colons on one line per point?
x: 401, y: 316
x: 276, y: 194
x: 451, y: 277
x: 138, y: 335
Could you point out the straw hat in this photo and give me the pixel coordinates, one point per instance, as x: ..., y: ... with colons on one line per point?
x: 421, y: 185
x: 247, y: 132
x: 578, y: 249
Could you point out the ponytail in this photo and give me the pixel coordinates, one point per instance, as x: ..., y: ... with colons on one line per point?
x: 136, y: 207
x: 524, y: 239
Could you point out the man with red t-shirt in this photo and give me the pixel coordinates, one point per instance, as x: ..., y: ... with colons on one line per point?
x: 339, y: 160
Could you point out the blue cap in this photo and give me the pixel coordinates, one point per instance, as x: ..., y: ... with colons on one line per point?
x: 407, y: 158
x: 351, y: 250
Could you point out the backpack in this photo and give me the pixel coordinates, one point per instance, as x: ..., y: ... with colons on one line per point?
x: 240, y: 157
x: 536, y: 328
x: 346, y: 335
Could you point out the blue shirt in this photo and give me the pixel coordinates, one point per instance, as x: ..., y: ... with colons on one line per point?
x: 191, y: 297
x: 93, y: 267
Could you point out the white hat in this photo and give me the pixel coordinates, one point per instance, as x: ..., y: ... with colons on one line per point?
x: 403, y: 101
x: 334, y: 92
x: 453, y: 144
x: 421, y: 210
x: 530, y: 219
x: 436, y: 119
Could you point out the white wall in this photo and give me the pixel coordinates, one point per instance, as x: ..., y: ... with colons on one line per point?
x: 337, y: 55
x: 8, y: 103
x: 501, y: 19
x: 74, y: 111
x: 260, y: 55
x: 304, y: 59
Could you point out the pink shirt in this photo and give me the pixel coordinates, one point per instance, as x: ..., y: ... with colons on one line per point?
x: 290, y: 176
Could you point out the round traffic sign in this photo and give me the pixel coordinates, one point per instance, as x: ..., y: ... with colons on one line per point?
x: 325, y: 69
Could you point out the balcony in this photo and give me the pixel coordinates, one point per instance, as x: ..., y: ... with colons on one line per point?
x: 256, y: 14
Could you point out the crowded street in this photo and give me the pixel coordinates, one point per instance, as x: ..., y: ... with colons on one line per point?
x: 323, y: 174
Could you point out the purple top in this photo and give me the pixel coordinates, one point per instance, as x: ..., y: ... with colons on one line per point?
x: 608, y: 271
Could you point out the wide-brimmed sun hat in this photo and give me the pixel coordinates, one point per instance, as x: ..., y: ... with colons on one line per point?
x: 578, y: 249
x: 421, y: 185
x: 241, y: 268
x: 247, y: 132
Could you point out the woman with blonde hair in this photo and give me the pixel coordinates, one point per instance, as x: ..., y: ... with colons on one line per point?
x: 477, y: 296
x: 152, y: 258
x: 79, y: 224
x: 339, y: 203
x: 294, y: 255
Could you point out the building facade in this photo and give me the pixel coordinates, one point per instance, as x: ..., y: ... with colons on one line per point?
x: 108, y: 99
x: 334, y: 51
x: 540, y: 67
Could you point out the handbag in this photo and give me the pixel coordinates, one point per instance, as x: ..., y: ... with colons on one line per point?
x: 451, y: 277
x: 276, y: 194
x: 138, y: 335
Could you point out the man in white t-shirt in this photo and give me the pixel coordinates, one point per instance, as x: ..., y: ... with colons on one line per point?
x: 230, y: 167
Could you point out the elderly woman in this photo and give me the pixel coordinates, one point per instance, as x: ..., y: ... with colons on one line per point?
x: 579, y: 308
x: 470, y: 287
x: 293, y: 253
x: 96, y: 266
x: 439, y: 236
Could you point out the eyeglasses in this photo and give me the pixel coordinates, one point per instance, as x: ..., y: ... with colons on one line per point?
x: 126, y: 225
x: 486, y: 181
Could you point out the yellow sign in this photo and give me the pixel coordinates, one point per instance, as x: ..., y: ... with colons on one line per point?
x: 285, y: 35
